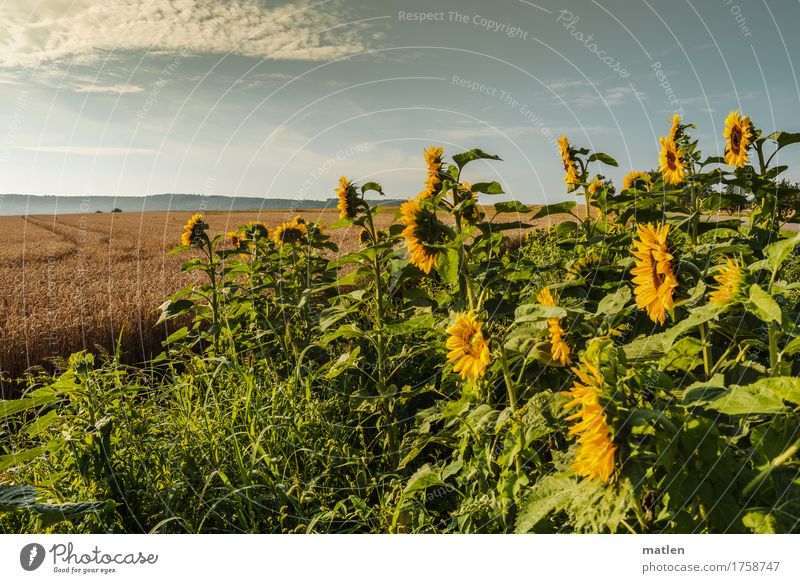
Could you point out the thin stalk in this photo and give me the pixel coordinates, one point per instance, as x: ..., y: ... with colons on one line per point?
x: 512, y: 401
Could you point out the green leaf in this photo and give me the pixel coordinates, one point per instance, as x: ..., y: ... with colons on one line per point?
x: 604, y: 158
x: 537, y: 313
x: 14, y: 459
x: 172, y: 309
x: 696, y: 317
x: 488, y: 187
x: 558, y: 208
x: 784, y: 138
x: 778, y: 252
x: 15, y: 406
x: 465, y: 158
x: 763, y: 305
x: 614, y: 303
x: 548, y: 495
x: 344, y: 362
x: 425, y: 477
x: 372, y: 186
x: 411, y: 325
x: 513, y: 206
x: 177, y: 335
x: 783, y: 388
x: 52, y: 513
x: 759, y: 523
x: 448, y: 265
x: 15, y: 497
x: 760, y: 398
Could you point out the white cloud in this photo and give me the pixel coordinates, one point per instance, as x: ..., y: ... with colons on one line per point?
x: 88, y: 31
x: 116, y: 89
x: 608, y: 98
x: 101, y: 151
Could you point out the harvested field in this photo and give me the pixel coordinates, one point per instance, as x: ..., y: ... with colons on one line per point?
x: 76, y: 282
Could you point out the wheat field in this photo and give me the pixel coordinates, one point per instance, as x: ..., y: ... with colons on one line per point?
x: 83, y: 281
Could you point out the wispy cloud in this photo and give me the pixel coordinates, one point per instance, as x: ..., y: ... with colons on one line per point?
x: 87, y: 31
x: 101, y: 151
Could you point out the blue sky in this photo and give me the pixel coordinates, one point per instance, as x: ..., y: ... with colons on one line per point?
x: 256, y: 98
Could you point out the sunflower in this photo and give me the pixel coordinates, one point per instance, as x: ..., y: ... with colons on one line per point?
x: 570, y: 169
x: 595, y: 186
x: 364, y: 236
x: 257, y: 230
x: 422, y: 231
x: 596, y: 449
x: 193, y: 230
x: 348, y: 199
x: 469, y: 351
x: 677, y: 128
x: 738, y: 138
x: 582, y: 265
x: 559, y: 349
x: 671, y: 165
x: 433, y: 161
x: 637, y: 179
x: 291, y: 232
x: 730, y: 281
x: 653, y: 279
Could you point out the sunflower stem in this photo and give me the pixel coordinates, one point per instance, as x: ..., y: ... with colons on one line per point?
x: 706, y: 351
x: 512, y: 401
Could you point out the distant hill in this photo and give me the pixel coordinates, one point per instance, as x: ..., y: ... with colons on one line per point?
x: 24, y: 204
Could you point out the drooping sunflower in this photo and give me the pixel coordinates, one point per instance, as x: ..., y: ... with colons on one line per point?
x: 348, y: 198
x: 738, y: 138
x: 596, y: 449
x: 637, y: 179
x: 567, y: 159
x: 677, y: 128
x: 730, y: 281
x: 238, y: 239
x: 364, y: 236
x: 653, y: 279
x: 469, y: 350
x: 559, y: 349
x: 582, y: 265
x: 292, y: 232
x: 193, y: 230
x: 670, y: 162
x: 433, y: 162
x: 422, y: 231
x: 595, y: 186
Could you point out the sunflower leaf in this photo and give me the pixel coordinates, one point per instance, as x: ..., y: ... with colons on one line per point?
x: 604, y: 158
x: 465, y: 158
x: 763, y: 305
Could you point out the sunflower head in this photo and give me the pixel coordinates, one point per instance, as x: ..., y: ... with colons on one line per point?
x: 364, y: 237
x: 739, y: 134
x: 257, y: 230
x: 194, y: 230
x: 348, y: 199
x: 582, y: 265
x: 653, y: 279
x: 559, y: 349
x: 730, y: 281
x: 595, y: 186
x: 295, y: 231
x: 422, y: 232
x: 671, y: 164
x: 637, y: 179
x: 468, y: 349
x: 433, y: 163
x: 596, y: 449
x: 676, y: 130
x: 568, y: 160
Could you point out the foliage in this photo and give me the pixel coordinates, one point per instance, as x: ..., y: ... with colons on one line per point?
x: 427, y: 382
